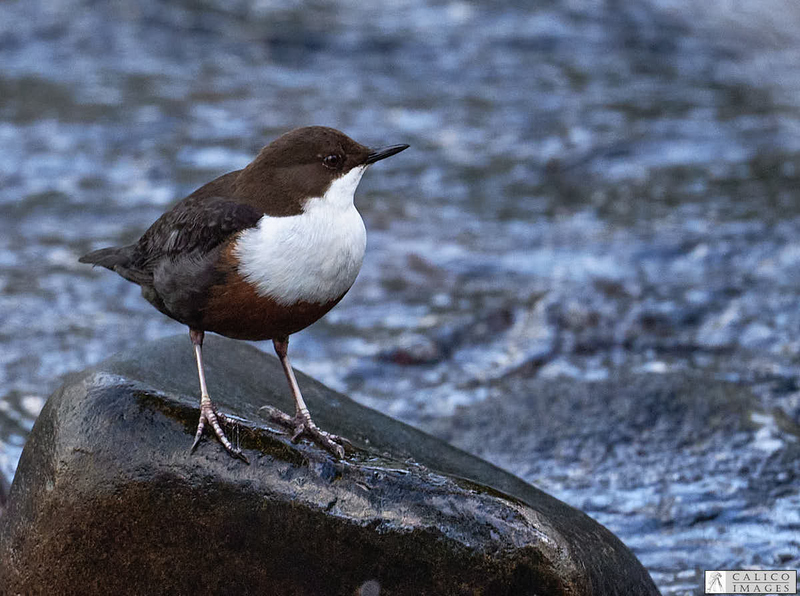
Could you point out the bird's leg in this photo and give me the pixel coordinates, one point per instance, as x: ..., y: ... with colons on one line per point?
x: 301, y: 423
x: 208, y: 413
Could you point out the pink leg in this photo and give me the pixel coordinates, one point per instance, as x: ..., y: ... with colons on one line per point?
x: 301, y: 424
x: 208, y: 413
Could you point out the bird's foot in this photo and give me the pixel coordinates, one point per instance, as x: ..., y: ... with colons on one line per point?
x: 302, y: 425
x: 210, y: 416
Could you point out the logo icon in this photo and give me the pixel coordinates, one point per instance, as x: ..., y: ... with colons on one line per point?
x: 714, y: 582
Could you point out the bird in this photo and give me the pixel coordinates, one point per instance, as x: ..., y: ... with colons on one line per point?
x: 258, y: 254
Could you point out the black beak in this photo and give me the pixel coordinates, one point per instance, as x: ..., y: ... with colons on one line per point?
x: 383, y: 153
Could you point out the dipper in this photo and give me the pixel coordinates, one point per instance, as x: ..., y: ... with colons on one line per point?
x: 259, y: 253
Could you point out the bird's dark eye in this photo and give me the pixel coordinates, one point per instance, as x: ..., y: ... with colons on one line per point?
x: 332, y: 161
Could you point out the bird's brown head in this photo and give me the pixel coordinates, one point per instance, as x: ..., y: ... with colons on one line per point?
x: 301, y: 165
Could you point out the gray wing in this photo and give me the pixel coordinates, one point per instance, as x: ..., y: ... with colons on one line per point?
x: 177, y: 258
x: 194, y: 228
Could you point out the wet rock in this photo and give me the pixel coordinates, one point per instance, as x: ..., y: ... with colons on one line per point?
x: 414, y: 348
x: 108, y: 498
x: 417, y: 348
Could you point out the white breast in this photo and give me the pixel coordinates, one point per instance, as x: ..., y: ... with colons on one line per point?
x: 312, y: 257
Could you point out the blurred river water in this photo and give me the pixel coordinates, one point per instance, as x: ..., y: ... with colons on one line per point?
x: 593, y: 188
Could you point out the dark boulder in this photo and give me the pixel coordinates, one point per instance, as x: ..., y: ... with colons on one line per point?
x: 108, y: 500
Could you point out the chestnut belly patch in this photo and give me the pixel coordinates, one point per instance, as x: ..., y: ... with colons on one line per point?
x: 235, y: 309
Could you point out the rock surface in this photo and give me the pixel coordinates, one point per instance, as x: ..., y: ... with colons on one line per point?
x: 107, y: 498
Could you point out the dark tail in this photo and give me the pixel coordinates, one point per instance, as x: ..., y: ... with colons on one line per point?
x: 109, y: 257
x: 118, y: 259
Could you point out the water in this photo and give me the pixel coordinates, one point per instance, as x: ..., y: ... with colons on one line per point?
x: 592, y: 187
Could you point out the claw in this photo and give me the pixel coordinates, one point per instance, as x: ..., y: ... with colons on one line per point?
x: 208, y: 414
x: 200, y: 426
x: 301, y: 425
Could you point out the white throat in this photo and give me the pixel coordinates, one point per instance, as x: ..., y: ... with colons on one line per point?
x: 311, y: 257
x: 341, y: 191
